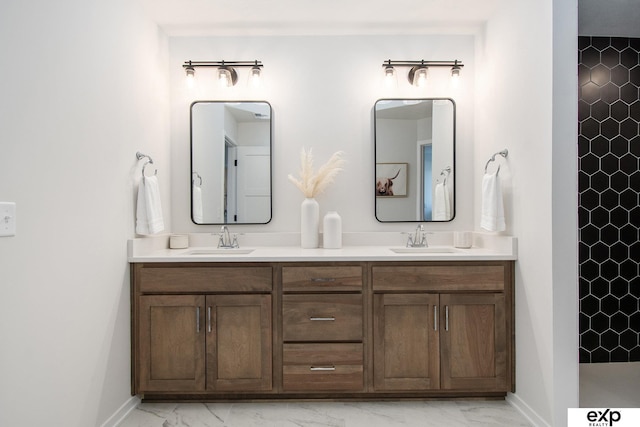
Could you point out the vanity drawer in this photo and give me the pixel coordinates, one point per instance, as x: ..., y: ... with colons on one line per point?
x: 322, y: 317
x: 322, y: 279
x: 323, y: 367
x: 180, y: 279
x: 439, y: 278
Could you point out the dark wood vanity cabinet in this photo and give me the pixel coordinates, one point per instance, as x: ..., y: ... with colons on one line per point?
x: 443, y: 327
x: 322, y: 330
x: 201, y: 329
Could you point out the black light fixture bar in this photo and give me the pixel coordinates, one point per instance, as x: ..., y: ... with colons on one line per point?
x: 193, y: 64
x: 227, y: 74
x: 417, y: 75
x: 422, y: 62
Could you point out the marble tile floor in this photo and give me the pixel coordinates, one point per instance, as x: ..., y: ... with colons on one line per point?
x: 331, y: 414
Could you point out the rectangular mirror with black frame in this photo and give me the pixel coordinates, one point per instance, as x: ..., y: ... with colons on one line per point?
x: 231, y: 148
x: 414, y: 160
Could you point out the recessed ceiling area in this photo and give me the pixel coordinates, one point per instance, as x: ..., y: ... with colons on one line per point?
x: 306, y: 17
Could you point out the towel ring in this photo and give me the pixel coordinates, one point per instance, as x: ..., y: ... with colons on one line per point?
x: 197, y: 175
x: 155, y: 172
x: 141, y: 156
x: 504, y: 153
x: 446, y: 175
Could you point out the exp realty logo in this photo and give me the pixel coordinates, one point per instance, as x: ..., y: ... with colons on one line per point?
x: 603, y: 417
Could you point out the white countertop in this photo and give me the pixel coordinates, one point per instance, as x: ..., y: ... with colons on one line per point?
x: 283, y: 247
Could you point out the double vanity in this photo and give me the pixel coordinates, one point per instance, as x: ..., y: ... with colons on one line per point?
x: 386, y: 316
x: 373, y: 320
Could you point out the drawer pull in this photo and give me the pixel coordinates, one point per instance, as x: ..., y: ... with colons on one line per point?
x: 322, y: 368
x: 198, y: 319
x: 322, y: 319
x: 323, y: 279
x: 209, y: 319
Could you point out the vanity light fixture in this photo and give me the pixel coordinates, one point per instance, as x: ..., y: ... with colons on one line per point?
x: 255, y: 76
x: 390, y: 78
x: 191, y: 74
x: 418, y: 75
x: 227, y: 74
x: 455, y: 70
x: 418, y: 70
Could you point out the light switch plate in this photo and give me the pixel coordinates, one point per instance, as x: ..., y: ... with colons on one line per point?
x: 7, y: 219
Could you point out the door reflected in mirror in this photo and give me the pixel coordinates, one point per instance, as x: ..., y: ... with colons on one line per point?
x: 414, y: 160
x: 231, y: 162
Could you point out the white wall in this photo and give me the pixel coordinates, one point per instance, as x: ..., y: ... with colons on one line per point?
x: 403, y: 135
x: 565, y: 210
x: 84, y: 86
x: 209, y: 136
x: 322, y: 90
x: 527, y: 103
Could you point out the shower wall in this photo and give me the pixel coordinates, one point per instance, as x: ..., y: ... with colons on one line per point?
x: 609, y: 208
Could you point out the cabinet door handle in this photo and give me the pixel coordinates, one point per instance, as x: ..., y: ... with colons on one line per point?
x: 322, y: 319
x: 446, y: 317
x: 435, y: 317
x: 322, y: 368
x: 209, y: 319
x: 198, y: 319
x: 323, y: 279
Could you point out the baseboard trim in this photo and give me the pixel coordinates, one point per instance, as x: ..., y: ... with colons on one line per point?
x: 121, y: 413
x: 526, y: 411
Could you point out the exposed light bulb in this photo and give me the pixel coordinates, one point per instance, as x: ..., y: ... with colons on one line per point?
x: 455, y: 76
x: 420, y: 79
x: 389, y: 76
x: 223, y: 77
x: 455, y: 80
x: 227, y: 76
x: 255, y: 76
x: 190, y: 77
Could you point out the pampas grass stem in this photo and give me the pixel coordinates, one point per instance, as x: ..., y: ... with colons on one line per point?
x: 310, y: 183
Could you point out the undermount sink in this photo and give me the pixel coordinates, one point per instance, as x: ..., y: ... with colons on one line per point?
x: 427, y: 250
x: 220, y: 251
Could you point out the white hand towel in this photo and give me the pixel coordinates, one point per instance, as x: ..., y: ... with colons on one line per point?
x: 197, y: 204
x: 492, y: 218
x: 149, y: 208
x: 441, y: 203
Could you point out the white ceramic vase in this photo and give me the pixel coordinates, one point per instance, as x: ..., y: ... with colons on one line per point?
x: 309, y: 223
x: 332, y: 231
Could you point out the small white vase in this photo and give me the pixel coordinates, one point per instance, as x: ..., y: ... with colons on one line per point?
x: 332, y: 231
x: 309, y: 223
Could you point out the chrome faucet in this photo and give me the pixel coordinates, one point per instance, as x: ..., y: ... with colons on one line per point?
x: 418, y: 239
x: 227, y: 240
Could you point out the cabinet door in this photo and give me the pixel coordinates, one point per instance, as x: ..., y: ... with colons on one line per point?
x: 171, y: 343
x: 406, y: 347
x: 474, y: 342
x: 239, y: 356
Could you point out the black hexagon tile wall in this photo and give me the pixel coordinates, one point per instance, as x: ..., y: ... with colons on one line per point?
x: 609, y: 187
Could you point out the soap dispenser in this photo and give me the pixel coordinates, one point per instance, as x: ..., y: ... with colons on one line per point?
x: 332, y: 230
